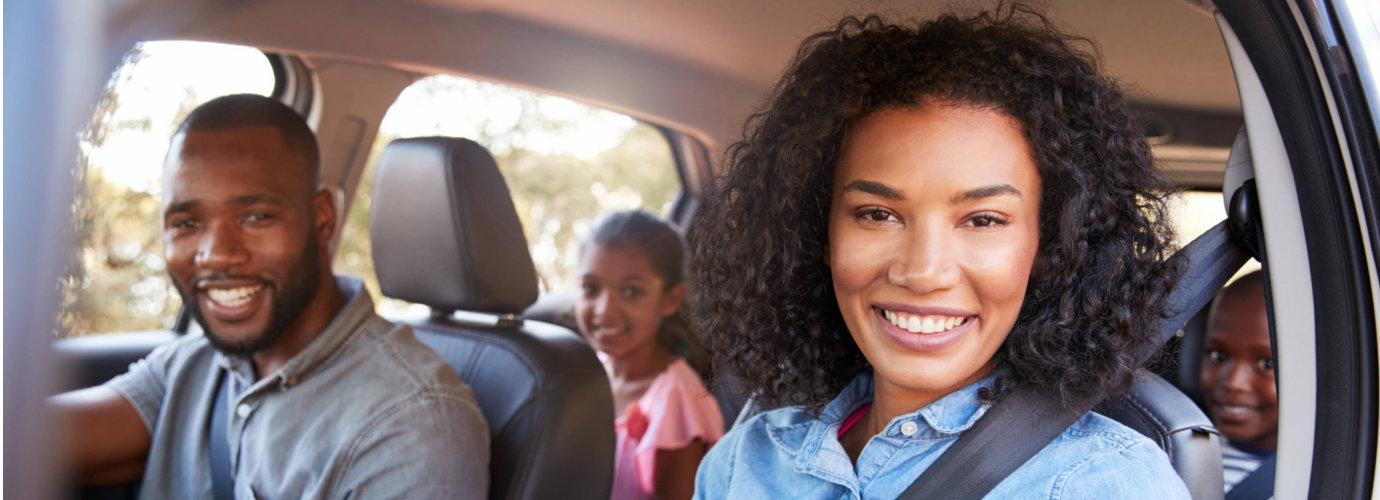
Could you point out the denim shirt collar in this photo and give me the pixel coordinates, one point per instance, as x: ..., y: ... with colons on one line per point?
x: 359, y: 307
x: 814, y: 442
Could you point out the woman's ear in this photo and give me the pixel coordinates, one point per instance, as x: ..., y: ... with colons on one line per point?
x: 672, y: 299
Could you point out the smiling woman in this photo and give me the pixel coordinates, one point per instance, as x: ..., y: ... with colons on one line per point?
x: 941, y: 204
x: 924, y: 217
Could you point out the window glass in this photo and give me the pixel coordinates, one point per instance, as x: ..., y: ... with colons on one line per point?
x: 116, y: 279
x: 565, y: 163
x: 1194, y: 212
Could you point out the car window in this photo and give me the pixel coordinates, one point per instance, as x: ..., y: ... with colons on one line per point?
x: 565, y: 163
x: 1196, y: 211
x: 116, y: 279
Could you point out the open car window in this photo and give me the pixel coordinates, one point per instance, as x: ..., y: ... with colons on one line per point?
x: 564, y: 162
x: 116, y: 279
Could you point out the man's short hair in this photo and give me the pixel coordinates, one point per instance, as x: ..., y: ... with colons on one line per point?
x: 250, y: 110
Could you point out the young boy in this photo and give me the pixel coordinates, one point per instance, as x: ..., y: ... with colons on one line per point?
x: 1238, y: 377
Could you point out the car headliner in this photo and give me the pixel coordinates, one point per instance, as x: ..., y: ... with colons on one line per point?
x: 1170, y: 51
x: 701, y: 66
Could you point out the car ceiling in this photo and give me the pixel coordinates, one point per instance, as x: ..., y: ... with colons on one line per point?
x: 1168, y: 50
x: 699, y: 66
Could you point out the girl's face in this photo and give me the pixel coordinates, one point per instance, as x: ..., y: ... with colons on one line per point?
x: 622, y: 300
x: 933, y: 229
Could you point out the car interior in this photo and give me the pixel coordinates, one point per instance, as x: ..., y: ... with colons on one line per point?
x: 1264, y: 112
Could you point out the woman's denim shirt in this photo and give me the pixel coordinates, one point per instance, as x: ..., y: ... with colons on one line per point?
x: 784, y: 453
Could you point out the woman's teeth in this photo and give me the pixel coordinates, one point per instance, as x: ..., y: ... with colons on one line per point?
x: 923, y: 324
x: 233, y: 297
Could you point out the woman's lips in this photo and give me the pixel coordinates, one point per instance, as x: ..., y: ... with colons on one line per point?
x: 924, y: 330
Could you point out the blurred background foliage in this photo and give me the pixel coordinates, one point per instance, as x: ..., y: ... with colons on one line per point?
x: 565, y: 163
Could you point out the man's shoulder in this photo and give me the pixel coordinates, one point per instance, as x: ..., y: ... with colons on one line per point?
x: 389, y: 355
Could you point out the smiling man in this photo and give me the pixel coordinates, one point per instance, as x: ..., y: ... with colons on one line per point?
x: 317, y: 396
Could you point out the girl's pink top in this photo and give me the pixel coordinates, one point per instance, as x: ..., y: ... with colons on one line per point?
x: 675, y: 411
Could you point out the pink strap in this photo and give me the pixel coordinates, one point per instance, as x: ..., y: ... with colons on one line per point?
x: 853, y: 418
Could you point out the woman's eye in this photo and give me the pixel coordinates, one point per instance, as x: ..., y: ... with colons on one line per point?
x: 589, y: 289
x: 183, y: 224
x: 256, y: 217
x: 1266, y: 364
x: 1217, y: 356
x: 874, y: 215
x: 986, y: 220
x: 632, y: 292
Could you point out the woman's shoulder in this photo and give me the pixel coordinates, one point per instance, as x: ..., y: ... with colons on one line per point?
x: 1100, y: 456
x: 1103, y: 431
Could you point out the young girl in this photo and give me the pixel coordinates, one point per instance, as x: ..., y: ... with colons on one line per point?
x: 923, y: 217
x: 632, y: 282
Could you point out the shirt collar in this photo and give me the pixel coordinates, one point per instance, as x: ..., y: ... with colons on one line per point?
x: 359, y: 307
x: 954, y: 413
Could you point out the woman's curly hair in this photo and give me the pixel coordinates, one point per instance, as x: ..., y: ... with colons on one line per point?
x: 1100, y: 282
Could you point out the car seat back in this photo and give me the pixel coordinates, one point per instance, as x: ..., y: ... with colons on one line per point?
x: 1158, y: 410
x: 445, y: 235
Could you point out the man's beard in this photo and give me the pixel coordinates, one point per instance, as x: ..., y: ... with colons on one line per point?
x: 298, y: 287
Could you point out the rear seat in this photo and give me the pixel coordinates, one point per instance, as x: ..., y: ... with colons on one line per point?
x: 445, y: 234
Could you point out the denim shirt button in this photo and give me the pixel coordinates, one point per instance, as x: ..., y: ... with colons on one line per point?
x: 244, y: 410
x: 909, y: 429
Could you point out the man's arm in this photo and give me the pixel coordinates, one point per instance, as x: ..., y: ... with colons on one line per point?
x: 105, y: 440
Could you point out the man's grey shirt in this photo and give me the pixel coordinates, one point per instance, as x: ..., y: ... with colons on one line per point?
x: 365, y: 411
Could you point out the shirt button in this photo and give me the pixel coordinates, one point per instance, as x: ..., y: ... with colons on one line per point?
x: 909, y: 429
x: 244, y: 410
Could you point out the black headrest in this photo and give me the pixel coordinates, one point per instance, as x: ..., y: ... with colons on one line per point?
x: 444, y: 231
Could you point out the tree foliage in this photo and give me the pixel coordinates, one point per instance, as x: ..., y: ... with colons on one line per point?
x: 557, y: 193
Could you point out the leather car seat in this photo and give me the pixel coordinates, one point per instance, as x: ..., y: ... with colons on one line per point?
x: 1159, y: 411
x: 445, y: 235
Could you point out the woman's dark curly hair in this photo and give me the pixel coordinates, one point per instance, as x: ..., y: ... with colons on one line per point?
x: 1100, y: 282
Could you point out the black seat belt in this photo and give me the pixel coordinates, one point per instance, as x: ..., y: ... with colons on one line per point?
x: 1013, y: 430
x: 1258, y: 485
x: 1023, y: 422
x: 222, y: 483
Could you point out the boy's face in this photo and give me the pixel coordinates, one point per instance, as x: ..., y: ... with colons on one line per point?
x: 1238, y: 374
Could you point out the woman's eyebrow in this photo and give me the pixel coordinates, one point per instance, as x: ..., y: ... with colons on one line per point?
x: 985, y: 192
x: 875, y: 188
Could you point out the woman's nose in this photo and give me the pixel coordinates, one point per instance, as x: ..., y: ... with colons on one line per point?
x: 926, y: 263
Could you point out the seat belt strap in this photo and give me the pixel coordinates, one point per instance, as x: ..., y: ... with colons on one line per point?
x: 1258, y: 485
x: 222, y: 482
x: 1011, y: 432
